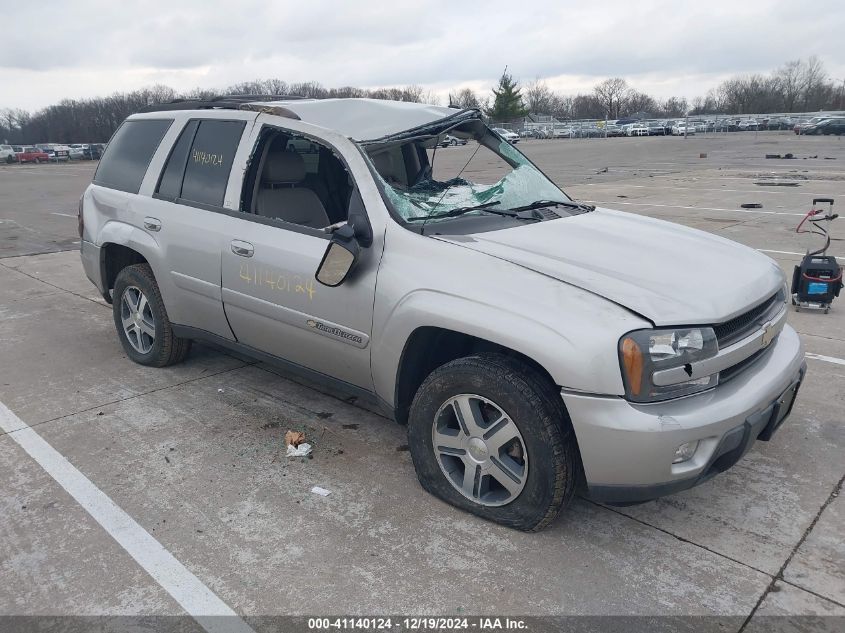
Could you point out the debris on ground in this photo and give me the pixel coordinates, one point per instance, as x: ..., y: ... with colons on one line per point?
x: 303, y: 450
x: 751, y: 205
x: 778, y: 156
x: 351, y: 427
x: 296, y: 444
x: 702, y: 155
x: 402, y: 448
x: 317, y: 490
x: 777, y: 184
x: 294, y: 438
x: 602, y: 171
x: 219, y: 391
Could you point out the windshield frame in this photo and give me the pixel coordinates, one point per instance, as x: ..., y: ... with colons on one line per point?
x: 463, y: 224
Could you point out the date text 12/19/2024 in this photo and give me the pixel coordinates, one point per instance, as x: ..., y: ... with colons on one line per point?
x: 424, y: 623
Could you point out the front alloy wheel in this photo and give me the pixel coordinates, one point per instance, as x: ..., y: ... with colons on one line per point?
x: 480, y: 450
x: 475, y: 426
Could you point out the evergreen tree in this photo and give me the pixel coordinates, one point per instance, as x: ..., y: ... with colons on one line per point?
x: 507, y: 100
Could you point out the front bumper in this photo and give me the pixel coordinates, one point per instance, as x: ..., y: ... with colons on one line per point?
x: 627, y: 449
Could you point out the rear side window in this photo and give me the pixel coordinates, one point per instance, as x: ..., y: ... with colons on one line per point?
x: 129, y: 153
x: 210, y: 160
x: 170, y: 184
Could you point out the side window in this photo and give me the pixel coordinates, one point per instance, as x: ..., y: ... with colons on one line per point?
x: 129, y: 153
x: 210, y: 161
x: 170, y: 183
x: 296, y: 180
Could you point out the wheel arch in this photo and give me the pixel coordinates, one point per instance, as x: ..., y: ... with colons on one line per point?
x: 115, y: 257
x: 430, y: 347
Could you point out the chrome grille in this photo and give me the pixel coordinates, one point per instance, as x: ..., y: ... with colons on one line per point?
x: 741, y: 326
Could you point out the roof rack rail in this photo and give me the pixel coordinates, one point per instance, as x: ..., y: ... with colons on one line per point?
x: 230, y: 102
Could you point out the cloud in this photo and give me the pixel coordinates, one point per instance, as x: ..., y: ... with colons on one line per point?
x: 93, y: 47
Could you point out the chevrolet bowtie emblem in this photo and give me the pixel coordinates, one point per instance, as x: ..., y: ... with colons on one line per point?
x: 768, y: 334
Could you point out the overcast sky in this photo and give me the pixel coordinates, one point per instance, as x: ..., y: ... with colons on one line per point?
x: 57, y: 49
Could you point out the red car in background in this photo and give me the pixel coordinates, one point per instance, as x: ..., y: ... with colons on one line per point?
x: 31, y: 154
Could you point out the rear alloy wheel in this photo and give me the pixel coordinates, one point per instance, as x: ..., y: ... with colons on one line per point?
x: 141, y: 320
x: 489, y: 434
x: 137, y: 319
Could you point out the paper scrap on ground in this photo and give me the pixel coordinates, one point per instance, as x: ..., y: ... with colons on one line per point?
x: 298, y: 451
x: 321, y: 491
x: 294, y: 438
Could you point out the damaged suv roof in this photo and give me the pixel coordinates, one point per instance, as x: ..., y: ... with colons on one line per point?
x: 362, y: 119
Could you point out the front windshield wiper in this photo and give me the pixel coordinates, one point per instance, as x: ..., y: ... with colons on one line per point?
x: 452, y: 213
x: 539, y: 204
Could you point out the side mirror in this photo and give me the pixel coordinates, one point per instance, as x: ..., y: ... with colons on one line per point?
x: 339, y: 258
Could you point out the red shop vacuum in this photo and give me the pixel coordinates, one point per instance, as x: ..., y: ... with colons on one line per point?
x: 816, y: 282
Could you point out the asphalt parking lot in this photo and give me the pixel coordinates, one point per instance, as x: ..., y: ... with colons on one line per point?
x: 193, y: 455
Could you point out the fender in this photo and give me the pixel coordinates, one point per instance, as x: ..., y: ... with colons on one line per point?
x: 123, y: 234
x: 580, y: 363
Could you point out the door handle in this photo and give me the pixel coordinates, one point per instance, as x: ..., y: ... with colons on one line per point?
x: 243, y: 249
x: 152, y: 224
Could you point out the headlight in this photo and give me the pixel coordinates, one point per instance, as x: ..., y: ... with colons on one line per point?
x: 644, y: 352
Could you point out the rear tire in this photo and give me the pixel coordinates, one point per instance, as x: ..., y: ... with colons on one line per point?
x: 542, y: 457
x: 144, y: 330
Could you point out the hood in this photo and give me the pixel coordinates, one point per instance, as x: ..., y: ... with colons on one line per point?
x: 668, y: 273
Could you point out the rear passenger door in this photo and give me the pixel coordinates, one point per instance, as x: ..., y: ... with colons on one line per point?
x: 186, y: 222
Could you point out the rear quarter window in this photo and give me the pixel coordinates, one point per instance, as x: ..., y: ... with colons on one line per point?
x: 129, y: 153
x: 210, y: 161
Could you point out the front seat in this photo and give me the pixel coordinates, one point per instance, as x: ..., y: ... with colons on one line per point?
x: 280, y: 195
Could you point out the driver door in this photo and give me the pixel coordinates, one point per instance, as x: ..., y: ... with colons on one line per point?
x: 270, y: 295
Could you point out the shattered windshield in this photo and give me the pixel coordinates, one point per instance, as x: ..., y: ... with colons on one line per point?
x: 472, y: 172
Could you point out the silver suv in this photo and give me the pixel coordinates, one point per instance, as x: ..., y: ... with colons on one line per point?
x: 531, y: 343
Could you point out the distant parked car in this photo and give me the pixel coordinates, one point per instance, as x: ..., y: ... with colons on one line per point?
x: 56, y: 152
x: 448, y: 140
x: 31, y: 154
x: 510, y: 137
x: 656, y: 129
x: 614, y: 130
x: 7, y: 154
x: 680, y: 129
x: 638, y: 129
x: 95, y: 150
x: 748, y: 125
x: 828, y: 126
x: 803, y: 124
x: 564, y: 132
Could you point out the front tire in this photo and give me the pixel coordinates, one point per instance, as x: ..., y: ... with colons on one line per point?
x: 144, y: 330
x: 490, y: 435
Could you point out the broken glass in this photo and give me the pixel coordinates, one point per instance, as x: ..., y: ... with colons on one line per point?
x: 523, y: 185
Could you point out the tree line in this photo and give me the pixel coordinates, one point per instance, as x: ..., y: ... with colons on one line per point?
x: 797, y: 86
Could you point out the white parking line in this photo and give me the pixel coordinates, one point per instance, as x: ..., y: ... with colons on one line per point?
x: 191, y: 594
x: 719, y: 189
x: 678, y: 206
x: 65, y: 215
x: 827, y: 359
x: 767, y: 250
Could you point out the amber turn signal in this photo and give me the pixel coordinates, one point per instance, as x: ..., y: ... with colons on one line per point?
x: 632, y: 359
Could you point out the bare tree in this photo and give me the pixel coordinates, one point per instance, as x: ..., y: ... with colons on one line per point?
x: 609, y: 94
x: 674, y: 107
x: 538, y: 97
x: 635, y: 101
x: 464, y: 98
x: 790, y: 76
x: 814, y: 78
